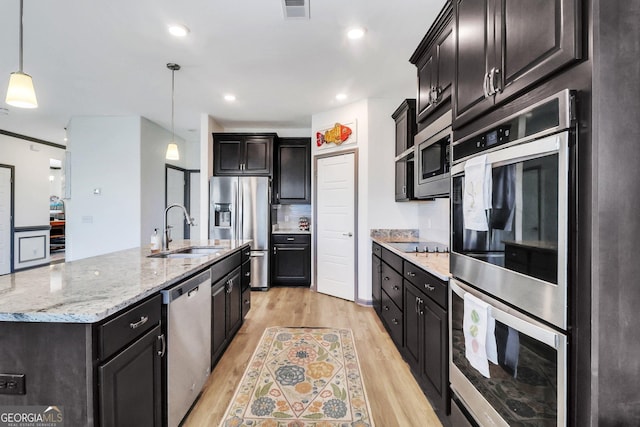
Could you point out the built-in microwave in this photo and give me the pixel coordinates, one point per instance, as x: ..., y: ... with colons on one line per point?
x: 432, y: 159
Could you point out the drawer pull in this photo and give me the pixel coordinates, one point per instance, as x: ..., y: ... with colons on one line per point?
x: 394, y: 321
x: 396, y: 288
x: 385, y: 278
x: 163, y: 349
x: 247, y: 302
x: 429, y: 287
x: 411, y: 274
x: 291, y: 239
x: 247, y: 253
x: 247, y: 274
x: 139, y: 323
x: 385, y: 308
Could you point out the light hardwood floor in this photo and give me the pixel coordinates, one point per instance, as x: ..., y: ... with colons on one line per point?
x: 394, y: 395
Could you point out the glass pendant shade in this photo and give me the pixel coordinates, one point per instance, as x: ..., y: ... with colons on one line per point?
x: 21, y: 93
x: 172, y: 151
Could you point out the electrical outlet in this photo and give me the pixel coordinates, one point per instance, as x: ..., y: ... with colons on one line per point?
x: 13, y: 384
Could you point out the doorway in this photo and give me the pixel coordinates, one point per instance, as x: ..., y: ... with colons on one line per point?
x: 182, y: 186
x: 6, y: 219
x: 336, y: 236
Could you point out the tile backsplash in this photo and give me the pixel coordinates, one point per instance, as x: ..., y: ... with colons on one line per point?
x: 286, y: 216
x: 395, y: 235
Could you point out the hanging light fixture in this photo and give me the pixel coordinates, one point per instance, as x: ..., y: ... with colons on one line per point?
x: 172, y: 148
x: 21, y: 93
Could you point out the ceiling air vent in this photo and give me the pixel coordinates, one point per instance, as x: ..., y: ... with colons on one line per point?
x: 295, y: 9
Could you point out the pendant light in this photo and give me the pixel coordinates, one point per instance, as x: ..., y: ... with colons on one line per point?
x: 172, y: 148
x: 21, y: 93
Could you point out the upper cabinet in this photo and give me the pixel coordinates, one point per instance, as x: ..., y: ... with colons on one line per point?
x: 243, y: 153
x: 434, y: 59
x: 292, y: 181
x: 405, y: 118
x: 503, y: 47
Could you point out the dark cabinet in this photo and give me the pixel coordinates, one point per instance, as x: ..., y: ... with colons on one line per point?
x: 291, y: 263
x: 434, y: 59
x: 506, y: 46
x: 391, y: 297
x: 130, y: 385
x: 229, y: 290
x: 405, y: 118
x: 131, y: 347
x: 426, y: 339
x: 243, y: 154
x: 376, y: 278
x: 292, y: 180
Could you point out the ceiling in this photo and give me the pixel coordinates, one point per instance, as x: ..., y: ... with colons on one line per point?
x: 109, y: 58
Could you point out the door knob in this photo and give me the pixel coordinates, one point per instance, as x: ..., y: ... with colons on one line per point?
x: 347, y: 234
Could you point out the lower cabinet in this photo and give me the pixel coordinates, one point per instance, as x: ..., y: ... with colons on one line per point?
x: 131, y: 386
x: 413, y: 309
x: 291, y: 263
x: 130, y: 348
x: 426, y: 340
x: 230, y: 300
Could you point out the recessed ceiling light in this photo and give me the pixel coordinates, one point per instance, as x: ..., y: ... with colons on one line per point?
x: 341, y: 97
x: 229, y: 97
x: 178, y: 30
x: 356, y: 33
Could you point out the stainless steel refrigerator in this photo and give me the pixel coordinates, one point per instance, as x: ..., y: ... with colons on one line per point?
x: 239, y: 208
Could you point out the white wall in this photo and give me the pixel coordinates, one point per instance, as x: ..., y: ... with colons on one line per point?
x: 153, y: 148
x: 32, y: 186
x: 434, y: 220
x: 105, y: 154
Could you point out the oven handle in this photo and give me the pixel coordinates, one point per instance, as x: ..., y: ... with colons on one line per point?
x: 520, y: 152
x: 536, y: 332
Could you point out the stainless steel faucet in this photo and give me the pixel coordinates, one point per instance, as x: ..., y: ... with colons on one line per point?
x: 166, y: 238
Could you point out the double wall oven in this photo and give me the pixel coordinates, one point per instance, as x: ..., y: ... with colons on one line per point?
x: 511, y: 214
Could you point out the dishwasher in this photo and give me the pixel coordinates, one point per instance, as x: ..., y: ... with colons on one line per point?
x: 188, y: 315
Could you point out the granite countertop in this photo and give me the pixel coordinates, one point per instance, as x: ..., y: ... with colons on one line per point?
x: 91, y: 289
x: 434, y: 263
x: 290, y: 231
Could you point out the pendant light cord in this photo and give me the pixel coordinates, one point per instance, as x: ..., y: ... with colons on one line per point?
x: 21, y: 23
x: 173, y: 74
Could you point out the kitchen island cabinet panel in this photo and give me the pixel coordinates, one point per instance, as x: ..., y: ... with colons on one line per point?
x: 130, y: 385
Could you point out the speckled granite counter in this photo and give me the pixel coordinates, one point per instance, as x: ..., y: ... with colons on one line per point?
x: 290, y: 231
x: 434, y: 263
x: 91, y: 289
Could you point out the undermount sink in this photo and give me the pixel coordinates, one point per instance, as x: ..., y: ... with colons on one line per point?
x: 190, y: 252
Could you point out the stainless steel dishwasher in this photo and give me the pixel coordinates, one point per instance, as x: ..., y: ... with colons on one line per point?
x: 188, y: 343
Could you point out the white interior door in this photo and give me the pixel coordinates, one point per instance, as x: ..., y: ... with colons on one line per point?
x: 175, y: 194
x: 336, y: 237
x: 5, y: 220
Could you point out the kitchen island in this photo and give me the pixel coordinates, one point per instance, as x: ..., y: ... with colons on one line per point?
x: 59, y: 336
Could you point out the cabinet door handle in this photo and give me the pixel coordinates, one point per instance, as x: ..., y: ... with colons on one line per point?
x: 139, y: 323
x: 492, y: 81
x: 247, y: 302
x: 274, y: 250
x: 385, y: 308
x: 394, y: 321
x: 247, y: 274
x: 417, y: 309
x: 247, y: 253
x: 411, y: 274
x: 163, y: 347
x: 485, y: 85
x: 434, y: 94
x: 429, y: 287
x: 404, y: 189
x: 396, y: 288
x: 385, y: 278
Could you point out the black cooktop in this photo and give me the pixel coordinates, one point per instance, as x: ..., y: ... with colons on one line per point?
x: 420, y: 246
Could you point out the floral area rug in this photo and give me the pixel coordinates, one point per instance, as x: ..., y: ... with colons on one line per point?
x: 301, y: 377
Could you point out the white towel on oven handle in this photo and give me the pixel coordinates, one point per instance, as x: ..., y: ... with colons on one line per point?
x: 479, y: 339
x: 477, y: 195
